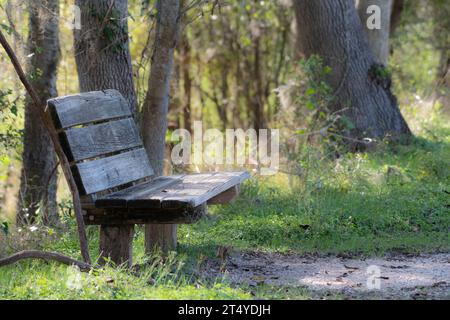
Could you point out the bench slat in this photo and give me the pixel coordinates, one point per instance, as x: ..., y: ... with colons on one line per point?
x: 189, y: 191
x: 102, y: 174
x: 193, y: 192
x: 119, y: 199
x: 88, y: 107
x: 92, y: 141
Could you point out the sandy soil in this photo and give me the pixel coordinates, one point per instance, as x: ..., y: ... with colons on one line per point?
x: 425, y: 276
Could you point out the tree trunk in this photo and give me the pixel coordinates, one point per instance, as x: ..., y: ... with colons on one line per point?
x: 378, y: 38
x: 102, y: 48
x: 441, y: 25
x: 333, y: 30
x: 103, y: 61
x: 397, y: 10
x: 444, y: 81
x: 185, y: 66
x: 154, y: 124
x: 38, y: 180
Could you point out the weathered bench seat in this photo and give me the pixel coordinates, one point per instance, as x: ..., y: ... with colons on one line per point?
x: 114, y: 177
x: 174, y: 199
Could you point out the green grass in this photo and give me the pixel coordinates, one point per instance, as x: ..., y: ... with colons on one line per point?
x: 393, y: 199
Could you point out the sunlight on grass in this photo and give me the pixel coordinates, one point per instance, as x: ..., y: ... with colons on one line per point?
x: 395, y: 198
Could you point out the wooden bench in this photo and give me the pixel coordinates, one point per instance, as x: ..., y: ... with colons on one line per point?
x: 116, y: 182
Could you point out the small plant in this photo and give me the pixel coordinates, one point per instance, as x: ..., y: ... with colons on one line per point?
x: 316, y: 129
x: 4, y: 227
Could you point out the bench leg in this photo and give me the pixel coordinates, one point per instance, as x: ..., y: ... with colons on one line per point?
x: 116, y: 243
x: 160, y: 236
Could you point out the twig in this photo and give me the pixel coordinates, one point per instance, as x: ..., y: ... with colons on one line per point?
x: 38, y: 103
x: 47, y: 256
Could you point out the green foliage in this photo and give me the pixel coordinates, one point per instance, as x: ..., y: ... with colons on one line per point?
x: 6, y: 28
x: 113, y: 30
x: 393, y: 199
x: 10, y: 135
x: 419, y: 45
x: 4, y: 226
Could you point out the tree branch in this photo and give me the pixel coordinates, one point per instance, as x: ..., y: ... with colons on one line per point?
x: 38, y: 104
x: 47, y: 256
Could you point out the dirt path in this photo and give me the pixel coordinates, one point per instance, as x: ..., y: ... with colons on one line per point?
x: 425, y: 276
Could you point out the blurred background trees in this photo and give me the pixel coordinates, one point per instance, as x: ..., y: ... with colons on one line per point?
x: 236, y: 64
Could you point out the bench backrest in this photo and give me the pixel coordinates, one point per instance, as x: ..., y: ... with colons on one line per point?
x: 100, y: 139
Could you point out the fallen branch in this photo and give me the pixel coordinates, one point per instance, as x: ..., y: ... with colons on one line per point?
x: 47, y: 256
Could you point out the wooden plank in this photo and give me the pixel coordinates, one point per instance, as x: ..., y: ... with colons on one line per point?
x: 87, y: 108
x: 193, y: 191
x: 102, y: 174
x: 119, y: 199
x: 144, y: 216
x: 93, y: 141
x: 198, y: 192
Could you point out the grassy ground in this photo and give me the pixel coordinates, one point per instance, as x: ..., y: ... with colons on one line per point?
x: 395, y: 199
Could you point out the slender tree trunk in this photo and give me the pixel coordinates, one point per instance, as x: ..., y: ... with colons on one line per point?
x: 333, y: 30
x: 257, y: 99
x: 441, y: 11
x: 38, y: 180
x: 396, y: 15
x: 102, y: 48
x: 378, y: 38
x: 185, y: 66
x: 9, y: 199
x: 154, y: 124
x: 443, y: 94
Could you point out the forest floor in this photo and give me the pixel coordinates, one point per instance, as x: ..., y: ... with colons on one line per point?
x: 292, y: 276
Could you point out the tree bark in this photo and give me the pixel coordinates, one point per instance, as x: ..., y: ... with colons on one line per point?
x: 378, y: 38
x: 333, y: 30
x: 397, y: 10
x: 38, y: 179
x: 441, y: 11
x: 102, y: 48
x: 185, y: 61
x: 154, y: 124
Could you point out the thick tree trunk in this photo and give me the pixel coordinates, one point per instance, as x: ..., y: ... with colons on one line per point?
x: 38, y: 180
x: 103, y: 61
x: 378, y: 38
x: 154, y: 124
x: 102, y: 48
x: 333, y: 30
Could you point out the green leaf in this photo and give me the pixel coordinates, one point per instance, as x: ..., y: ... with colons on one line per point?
x: 347, y: 123
x: 13, y: 109
x: 310, y: 105
x: 327, y: 70
x: 4, y: 226
x: 8, y: 29
x: 5, y: 160
x: 310, y: 91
